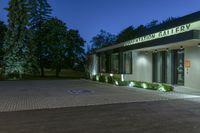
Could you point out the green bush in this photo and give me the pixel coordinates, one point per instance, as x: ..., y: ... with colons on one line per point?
x: 102, y: 78
x: 123, y: 83
x: 94, y: 77
x: 111, y: 80
x: 147, y: 85
x: 165, y: 87
x: 139, y: 84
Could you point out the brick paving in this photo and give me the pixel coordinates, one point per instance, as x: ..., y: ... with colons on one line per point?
x: 28, y: 95
x: 167, y: 116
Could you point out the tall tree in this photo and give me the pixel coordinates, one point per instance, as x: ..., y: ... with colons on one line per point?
x: 40, y: 14
x: 15, y: 45
x: 103, y: 39
x: 152, y: 24
x: 75, y: 49
x: 140, y: 30
x: 3, y: 29
x: 126, y: 34
x: 54, y: 43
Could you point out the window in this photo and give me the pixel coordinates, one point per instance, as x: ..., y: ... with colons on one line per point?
x: 115, y: 63
x: 127, y: 64
x: 102, y: 67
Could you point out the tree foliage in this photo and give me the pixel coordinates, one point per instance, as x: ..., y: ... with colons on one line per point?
x: 103, y: 39
x: 15, y: 45
x: 3, y: 30
x: 75, y: 50
x: 40, y: 13
x: 54, y: 43
x: 34, y: 38
x: 126, y: 34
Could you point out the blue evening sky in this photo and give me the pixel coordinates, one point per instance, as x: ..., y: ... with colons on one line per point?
x: 89, y: 16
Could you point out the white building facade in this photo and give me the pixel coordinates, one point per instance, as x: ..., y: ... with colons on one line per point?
x: 168, y: 53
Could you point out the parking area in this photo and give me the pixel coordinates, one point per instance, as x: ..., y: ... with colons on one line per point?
x: 46, y: 94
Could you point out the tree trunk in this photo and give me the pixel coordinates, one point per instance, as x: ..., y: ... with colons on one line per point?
x: 42, y: 71
x: 58, y: 69
x: 57, y: 72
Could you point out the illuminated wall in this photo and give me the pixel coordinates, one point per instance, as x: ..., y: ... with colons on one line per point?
x: 93, y: 66
x: 192, y: 74
x: 142, y: 67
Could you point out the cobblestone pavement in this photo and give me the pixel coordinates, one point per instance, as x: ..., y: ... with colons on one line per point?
x: 28, y: 95
x: 167, y: 116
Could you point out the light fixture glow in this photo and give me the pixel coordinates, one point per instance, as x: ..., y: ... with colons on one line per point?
x: 181, y: 47
x: 97, y: 78
x: 122, y: 77
x: 144, y: 85
x: 116, y: 83
x: 131, y: 84
x: 199, y: 45
x: 111, y: 75
x: 161, y: 88
x: 106, y: 78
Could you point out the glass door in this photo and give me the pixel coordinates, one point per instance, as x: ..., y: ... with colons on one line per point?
x: 180, y: 67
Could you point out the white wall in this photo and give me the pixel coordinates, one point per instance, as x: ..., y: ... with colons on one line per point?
x: 192, y: 75
x: 142, y: 67
x: 93, y: 66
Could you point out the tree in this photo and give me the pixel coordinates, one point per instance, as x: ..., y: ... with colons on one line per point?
x: 126, y: 34
x: 168, y: 20
x: 40, y: 14
x: 54, y: 43
x: 152, y: 24
x: 103, y: 39
x: 140, y: 30
x: 75, y: 51
x: 3, y: 30
x: 15, y: 45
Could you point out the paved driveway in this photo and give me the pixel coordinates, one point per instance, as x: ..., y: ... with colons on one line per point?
x: 28, y: 95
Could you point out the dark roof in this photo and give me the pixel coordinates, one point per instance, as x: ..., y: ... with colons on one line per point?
x: 163, y: 26
x: 176, y: 22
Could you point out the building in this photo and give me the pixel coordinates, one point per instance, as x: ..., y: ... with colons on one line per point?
x: 168, y: 53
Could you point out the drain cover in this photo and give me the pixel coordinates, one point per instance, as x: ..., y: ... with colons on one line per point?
x: 80, y: 91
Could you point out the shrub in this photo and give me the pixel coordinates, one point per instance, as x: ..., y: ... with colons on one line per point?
x: 103, y: 78
x: 139, y: 84
x: 94, y: 77
x: 123, y: 83
x: 165, y: 87
x: 111, y: 80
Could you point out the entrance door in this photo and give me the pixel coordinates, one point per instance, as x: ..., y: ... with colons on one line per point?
x: 160, y: 67
x: 168, y: 67
x: 179, y: 67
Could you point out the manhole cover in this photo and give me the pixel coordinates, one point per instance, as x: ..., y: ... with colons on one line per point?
x: 80, y: 91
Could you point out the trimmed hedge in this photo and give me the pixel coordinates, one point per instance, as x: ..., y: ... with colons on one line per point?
x: 139, y: 84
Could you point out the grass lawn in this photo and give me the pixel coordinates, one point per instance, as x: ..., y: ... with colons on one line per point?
x: 50, y: 75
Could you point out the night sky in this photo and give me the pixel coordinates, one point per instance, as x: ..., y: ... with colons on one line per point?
x: 89, y: 16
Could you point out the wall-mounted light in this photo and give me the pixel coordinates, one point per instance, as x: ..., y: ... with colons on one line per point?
x: 198, y: 45
x: 181, y: 47
x: 156, y: 51
x: 167, y: 49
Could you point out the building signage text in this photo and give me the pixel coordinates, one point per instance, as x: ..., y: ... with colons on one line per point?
x: 165, y: 33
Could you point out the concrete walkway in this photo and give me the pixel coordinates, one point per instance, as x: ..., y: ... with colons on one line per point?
x: 29, y: 95
x: 187, y: 90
